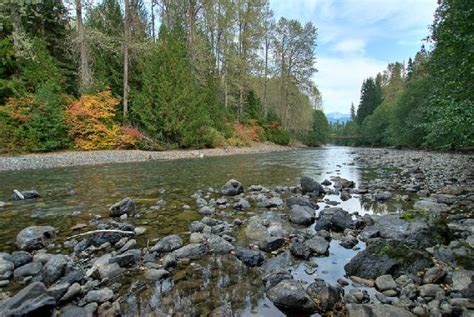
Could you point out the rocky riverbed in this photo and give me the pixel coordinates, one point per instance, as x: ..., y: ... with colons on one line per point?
x: 292, y: 249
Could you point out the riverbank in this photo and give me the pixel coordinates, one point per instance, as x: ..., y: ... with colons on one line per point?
x: 80, y: 158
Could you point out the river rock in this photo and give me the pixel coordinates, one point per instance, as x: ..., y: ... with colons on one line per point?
x: 54, y: 268
x: 33, y: 300
x: 35, y: 237
x: 302, y: 215
x: 193, y: 251
x: 30, y: 269
x: 242, y: 204
x: 58, y: 290
x: 206, y: 211
x: 127, y: 259
x: 73, y: 290
x: 385, y: 282
x: 232, y: 188
x: 430, y: 290
x: 75, y: 311
x: 272, y: 202
x: 99, y: 296
x: 168, y: 244
x: 452, y: 190
x: 155, y: 274
x: 318, y: 245
x: 299, y: 249
x: 222, y: 311
x: 376, y: 310
x: 270, y: 243
x: 6, y: 266
x: 463, y: 282
x: 387, y: 256
x: 290, y: 296
x: 274, y: 278
x: 300, y: 201
x: 338, y: 218
x: 125, y: 206
x: 250, y: 257
x: 20, y: 258
x: 30, y: 194
x: 219, y: 245
x: 196, y: 226
x: 324, y: 295
x: 433, y: 275
x: 430, y: 205
x: 309, y: 185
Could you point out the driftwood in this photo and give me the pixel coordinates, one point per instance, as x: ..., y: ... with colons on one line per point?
x: 100, y: 231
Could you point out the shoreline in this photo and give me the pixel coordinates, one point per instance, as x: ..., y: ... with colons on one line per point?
x: 84, y: 158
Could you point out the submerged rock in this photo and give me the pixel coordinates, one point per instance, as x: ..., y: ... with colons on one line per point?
x: 33, y: 300
x: 35, y: 237
x: 30, y: 194
x: 125, y: 206
x: 232, y: 188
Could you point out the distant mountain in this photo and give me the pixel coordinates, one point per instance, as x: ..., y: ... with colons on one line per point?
x: 334, y: 117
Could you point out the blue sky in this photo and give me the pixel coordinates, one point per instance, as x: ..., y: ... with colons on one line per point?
x: 357, y: 39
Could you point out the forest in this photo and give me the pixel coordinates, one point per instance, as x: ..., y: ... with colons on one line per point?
x: 155, y: 75
x: 427, y: 102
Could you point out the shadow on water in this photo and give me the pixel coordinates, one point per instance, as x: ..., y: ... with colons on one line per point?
x: 205, y: 284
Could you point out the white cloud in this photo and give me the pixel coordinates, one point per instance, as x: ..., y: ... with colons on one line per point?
x: 340, y: 79
x: 350, y: 46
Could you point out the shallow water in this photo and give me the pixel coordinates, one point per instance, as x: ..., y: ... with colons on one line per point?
x: 207, y: 283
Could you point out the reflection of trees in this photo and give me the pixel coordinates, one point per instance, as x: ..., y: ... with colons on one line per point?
x: 198, y: 289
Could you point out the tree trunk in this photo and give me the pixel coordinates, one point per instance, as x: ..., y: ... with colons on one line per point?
x: 153, y: 20
x: 265, y: 78
x: 16, y: 23
x: 125, y: 58
x: 84, y: 63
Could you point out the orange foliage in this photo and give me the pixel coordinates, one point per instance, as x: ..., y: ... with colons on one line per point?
x: 91, y: 122
x: 18, y: 108
x: 248, y: 133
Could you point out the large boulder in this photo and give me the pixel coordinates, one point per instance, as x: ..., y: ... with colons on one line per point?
x: 33, y: 300
x: 309, y: 185
x: 168, y: 244
x: 290, y: 296
x: 35, y: 237
x: 387, y: 257
x: 324, y: 295
x: 232, y: 188
x: 125, y: 206
x: 302, y: 215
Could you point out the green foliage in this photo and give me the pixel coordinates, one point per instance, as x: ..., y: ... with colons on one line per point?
x: 34, y: 123
x: 451, y: 63
x: 169, y: 105
x: 319, y: 133
x: 370, y: 98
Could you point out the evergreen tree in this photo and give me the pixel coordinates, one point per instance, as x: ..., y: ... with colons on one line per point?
x: 353, y: 113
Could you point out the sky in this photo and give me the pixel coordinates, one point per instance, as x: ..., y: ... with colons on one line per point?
x: 357, y: 39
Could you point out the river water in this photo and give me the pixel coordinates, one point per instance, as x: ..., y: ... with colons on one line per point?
x: 75, y: 194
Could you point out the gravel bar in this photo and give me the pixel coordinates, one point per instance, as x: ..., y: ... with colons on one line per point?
x: 78, y: 158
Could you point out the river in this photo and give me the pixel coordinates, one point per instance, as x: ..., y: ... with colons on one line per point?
x: 77, y: 194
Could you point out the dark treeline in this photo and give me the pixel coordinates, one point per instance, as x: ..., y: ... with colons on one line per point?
x: 429, y: 102
x: 154, y: 74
